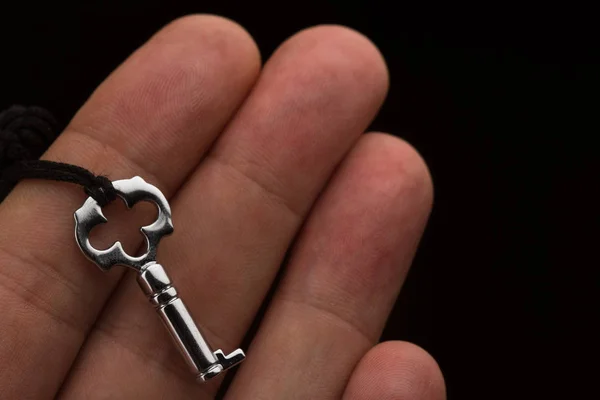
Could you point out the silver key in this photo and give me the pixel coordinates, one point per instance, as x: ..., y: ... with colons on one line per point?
x: 152, y: 278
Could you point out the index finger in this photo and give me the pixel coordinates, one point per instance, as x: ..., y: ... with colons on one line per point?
x: 154, y: 117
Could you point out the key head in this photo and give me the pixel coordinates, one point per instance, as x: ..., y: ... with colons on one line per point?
x: 131, y: 191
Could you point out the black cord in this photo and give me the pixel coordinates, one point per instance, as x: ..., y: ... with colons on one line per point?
x: 97, y: 186
x: 25, y: 133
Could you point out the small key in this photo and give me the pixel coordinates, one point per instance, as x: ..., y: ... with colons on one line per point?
x: 152, y: 278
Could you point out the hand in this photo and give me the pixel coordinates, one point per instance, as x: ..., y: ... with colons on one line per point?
x: 255, y: 163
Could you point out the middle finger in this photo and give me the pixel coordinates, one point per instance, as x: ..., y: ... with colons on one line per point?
x: 237, y: 215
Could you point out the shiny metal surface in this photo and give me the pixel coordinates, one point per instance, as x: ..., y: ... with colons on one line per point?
x: 203, y: 362
x: 131, y: 191
x: 152, y: 277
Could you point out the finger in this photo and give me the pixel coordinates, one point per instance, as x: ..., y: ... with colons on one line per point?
x: 396, y: 370
x: 344, y: 275
x: 238, y: 213
x: 153, y: 117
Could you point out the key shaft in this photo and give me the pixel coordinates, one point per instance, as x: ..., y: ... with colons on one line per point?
x: 202, y: 360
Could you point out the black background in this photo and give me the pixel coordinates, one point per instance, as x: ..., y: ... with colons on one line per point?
x: 502, y: 103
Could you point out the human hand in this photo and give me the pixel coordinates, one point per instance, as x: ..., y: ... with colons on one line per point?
x: 255, y: 162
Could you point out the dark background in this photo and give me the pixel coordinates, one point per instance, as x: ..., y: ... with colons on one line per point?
x: 501, y: 101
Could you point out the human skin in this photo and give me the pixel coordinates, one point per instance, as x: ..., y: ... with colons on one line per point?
x: 258, y: 162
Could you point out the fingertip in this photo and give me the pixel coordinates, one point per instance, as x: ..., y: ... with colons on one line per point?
x: 403, y: 164
x: 360, y: 49
x: 189, y: 27
x: 197, y: 68
x: 342, y: 59
x: 396, y: 370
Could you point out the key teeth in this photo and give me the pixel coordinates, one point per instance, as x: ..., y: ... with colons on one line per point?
x: 223, y: 363
x: 234, y: 358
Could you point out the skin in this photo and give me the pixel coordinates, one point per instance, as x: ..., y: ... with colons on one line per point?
x: 258, y: 162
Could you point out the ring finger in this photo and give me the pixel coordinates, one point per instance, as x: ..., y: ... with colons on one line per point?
x: 343, y: 277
